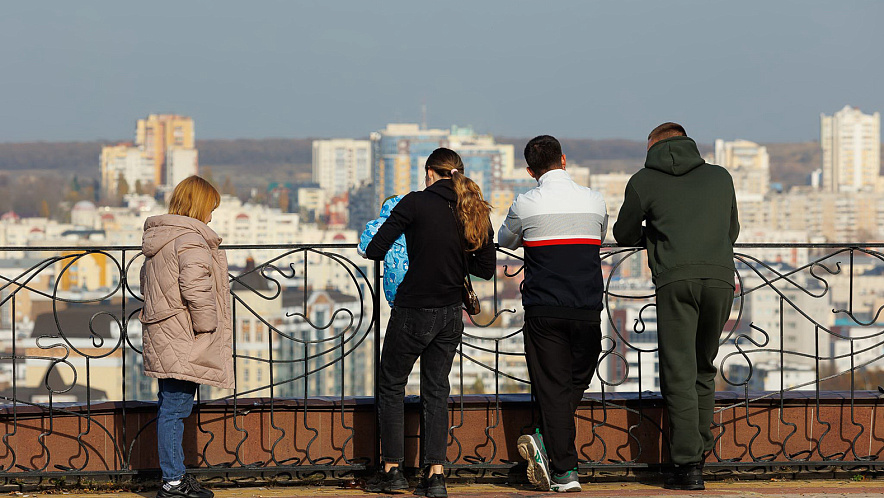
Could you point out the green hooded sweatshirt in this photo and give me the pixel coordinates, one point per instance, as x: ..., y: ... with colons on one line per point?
x: 690, y: 214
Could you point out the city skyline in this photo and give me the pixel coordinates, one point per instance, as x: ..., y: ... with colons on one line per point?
x: 574, y: 69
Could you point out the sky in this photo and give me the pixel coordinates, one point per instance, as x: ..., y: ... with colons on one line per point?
x: 761, y: 70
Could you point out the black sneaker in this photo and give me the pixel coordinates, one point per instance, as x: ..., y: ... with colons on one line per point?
x: 432, y: 487
x: 195, y: 486
x: 564, y: 482
x: 688, y: 477
x: 386, y: 482
x: 189, y: 487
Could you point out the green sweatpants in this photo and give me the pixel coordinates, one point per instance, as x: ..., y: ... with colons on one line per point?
x: 690, y: 317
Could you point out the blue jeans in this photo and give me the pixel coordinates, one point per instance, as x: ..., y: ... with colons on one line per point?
x: 174, y: 404
x: 431, y: 334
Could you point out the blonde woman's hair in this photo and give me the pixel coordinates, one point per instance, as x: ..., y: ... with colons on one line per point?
x: 194, y: 197
x: 472, y: 209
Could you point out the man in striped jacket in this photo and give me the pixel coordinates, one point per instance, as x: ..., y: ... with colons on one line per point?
x: 561, y: 225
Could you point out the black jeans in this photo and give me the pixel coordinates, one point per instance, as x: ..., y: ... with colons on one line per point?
x: 562, y: 356
x: 431, y: 334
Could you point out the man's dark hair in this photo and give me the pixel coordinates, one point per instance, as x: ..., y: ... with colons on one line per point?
x: 667, y: 130
x: 542, y: 154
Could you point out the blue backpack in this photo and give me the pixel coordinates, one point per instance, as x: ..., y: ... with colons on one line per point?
x: 396, y: 260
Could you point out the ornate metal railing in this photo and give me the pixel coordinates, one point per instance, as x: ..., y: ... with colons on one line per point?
x: 309, y: 321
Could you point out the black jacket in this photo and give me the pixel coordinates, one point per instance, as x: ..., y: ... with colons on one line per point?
x: 690, y: 214
x: 435, y: 258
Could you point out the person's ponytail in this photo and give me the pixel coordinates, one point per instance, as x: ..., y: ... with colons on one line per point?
x: 473, y: 211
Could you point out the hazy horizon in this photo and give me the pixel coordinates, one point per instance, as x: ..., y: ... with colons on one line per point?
x: 639, y: 140
x: 755, y: 70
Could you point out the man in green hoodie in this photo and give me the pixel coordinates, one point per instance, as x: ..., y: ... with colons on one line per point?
x: 689, y: 211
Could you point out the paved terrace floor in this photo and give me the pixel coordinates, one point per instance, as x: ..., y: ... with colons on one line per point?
x: 790, y: 488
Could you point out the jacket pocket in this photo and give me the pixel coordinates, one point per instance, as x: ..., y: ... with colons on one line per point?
x: 206, y: 351
x: 158, y: 316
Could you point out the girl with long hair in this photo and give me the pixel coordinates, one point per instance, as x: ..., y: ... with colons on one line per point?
x: 448, y: 233
x: 188, y: 330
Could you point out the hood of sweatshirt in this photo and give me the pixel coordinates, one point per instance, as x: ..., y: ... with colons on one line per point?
x: 445, y: 188
x: 674, y: 156
x: 162, y: 229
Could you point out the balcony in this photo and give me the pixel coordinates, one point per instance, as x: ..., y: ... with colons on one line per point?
x: 800, y: 365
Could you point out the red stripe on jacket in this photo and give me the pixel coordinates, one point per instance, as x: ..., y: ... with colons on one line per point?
x: 561, y: 242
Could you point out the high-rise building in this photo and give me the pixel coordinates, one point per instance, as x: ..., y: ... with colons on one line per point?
x: 163, y: 154
x: 400, y: 151
x: 749, y: 166
x: 128, y: 161
x: 851, y: 146
x: 158, y: 134
x: 339, y: 165
x: 180, y: 163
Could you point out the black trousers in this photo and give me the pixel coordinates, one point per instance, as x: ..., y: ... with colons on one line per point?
x: 431, y: 334
x: 690, y: 317
x: 562, y: 356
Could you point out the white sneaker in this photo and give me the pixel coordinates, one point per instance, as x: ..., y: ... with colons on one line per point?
x: 532, y: 449
x: 566, y: 481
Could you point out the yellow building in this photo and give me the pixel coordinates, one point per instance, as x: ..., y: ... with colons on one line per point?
x: 84, y: 271
x: 57, y: 351
x: 501, y: 200
x: 158, y: 133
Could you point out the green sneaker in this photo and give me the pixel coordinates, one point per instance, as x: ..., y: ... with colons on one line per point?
x: 532, y: 449
x: 566, y: 481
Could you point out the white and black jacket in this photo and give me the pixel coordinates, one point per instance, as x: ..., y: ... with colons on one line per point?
x: 561, y: 225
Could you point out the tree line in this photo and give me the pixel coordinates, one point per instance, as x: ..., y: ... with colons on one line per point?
x: 790, y: 162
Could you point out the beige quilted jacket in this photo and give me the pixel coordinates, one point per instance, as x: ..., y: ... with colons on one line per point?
x: 188, y: 331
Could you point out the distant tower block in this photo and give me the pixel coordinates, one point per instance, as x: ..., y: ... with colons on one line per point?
x: 339, y: 165
x: 163, y: 155
x: 123, y: 161
x: 748, y: 164
x: 180, y: 163
x: 158, y: 134
x: 851, y: 147
x: 400, y: 151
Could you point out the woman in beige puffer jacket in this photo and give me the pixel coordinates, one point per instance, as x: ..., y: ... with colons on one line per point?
x: 188, y: 331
